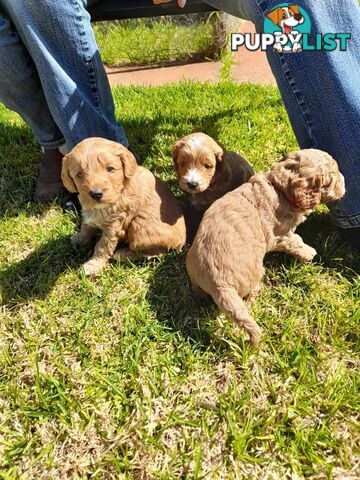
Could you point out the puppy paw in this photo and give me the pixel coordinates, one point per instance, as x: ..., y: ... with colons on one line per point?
x: 249, y: 298
x: 93, y: 267
x: 124, y: 255
x: 297, y: 47
x: 278, y: 47
x: 307, y: 254
x: 255, y: 335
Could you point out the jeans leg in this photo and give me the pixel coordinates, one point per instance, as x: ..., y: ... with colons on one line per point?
x: 320, y: 90
x: 20, y: 88
x: 60, y: 40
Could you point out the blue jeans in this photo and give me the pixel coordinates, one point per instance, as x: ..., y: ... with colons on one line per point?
x: 320, y: 90
x: 52, y: 74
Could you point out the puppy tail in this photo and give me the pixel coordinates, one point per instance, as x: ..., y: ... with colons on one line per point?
x: 228, y: 300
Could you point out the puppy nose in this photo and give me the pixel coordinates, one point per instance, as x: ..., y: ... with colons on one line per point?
x: 298, y: 16
x: 192, y: 184
x: 96, y: 194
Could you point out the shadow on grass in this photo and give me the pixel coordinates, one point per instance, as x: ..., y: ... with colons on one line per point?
x: 333, y: 252
x: 141, y: 133
x: 35, y: 276
x: 169, y: 291
x: 170, y: 297
x: 195, y: 318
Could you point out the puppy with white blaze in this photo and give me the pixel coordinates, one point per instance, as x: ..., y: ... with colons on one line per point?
x: 206, y: 171
x: 226, y: 258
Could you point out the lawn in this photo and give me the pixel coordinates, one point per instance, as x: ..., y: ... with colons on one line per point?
x: 127, y: 376
x: 155, y: 41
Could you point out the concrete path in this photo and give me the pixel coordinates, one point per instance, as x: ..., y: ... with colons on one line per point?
x: 249, y: 67
x: 252, y: 66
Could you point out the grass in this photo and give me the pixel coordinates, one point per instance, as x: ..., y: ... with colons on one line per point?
x: 149, y: 41
x: 127, y: 376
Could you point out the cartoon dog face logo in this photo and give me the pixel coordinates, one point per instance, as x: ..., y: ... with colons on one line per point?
x: 286, y: 18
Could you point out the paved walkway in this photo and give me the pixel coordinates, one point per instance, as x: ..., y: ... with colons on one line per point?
x: 249, y: 67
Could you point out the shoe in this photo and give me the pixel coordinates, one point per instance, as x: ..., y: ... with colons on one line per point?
x: 352, y: 236
x: 72, y: 203
x: 49, y: 184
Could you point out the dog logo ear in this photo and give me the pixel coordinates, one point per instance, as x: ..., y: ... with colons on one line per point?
x: 295, y: 9
x: 274, y: 16
x: 306, y: 192
x: 128, y: 162
x: 66, y: 178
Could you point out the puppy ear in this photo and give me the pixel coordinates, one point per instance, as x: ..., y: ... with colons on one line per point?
x: 301, y: 186
x: 219, y: 153
x: 274, y: 16
x: 176, y: 150
x: 306, y: 192
x: 128, y: 162
x: 66, y: 178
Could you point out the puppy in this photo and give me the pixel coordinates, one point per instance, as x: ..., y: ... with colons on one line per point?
x: 122, y: 200
x: 206, y: 171
x: 226, y: 258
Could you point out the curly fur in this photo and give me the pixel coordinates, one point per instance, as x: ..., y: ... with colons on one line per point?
x: 226, y: 258
x: 136, y: 207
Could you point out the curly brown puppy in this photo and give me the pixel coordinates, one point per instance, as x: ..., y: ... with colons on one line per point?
x: 124, y: 201
x: 206, y: 170
x: 226, y: 258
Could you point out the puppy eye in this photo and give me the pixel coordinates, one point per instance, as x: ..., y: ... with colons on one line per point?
x: 110, y: 169
x: 208, y: 166
x: 284, y: 15
x: 79, y: 175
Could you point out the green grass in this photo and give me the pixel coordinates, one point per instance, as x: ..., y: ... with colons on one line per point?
x: 127, y: 376
x: 144, y: 42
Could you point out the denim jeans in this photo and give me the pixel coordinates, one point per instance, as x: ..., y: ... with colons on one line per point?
x: 320, y: 90
x: 52, y: 74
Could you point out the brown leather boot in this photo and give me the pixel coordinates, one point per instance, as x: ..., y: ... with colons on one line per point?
x: 49, y: 184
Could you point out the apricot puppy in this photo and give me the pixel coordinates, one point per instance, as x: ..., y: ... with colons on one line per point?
x: 206, y: 171
x: 226, y: 258
x: 122, y: 201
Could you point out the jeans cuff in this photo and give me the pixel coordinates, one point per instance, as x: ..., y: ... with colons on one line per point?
x: 55, y: 144
x: 347, y: 222
x: 124, y: 142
